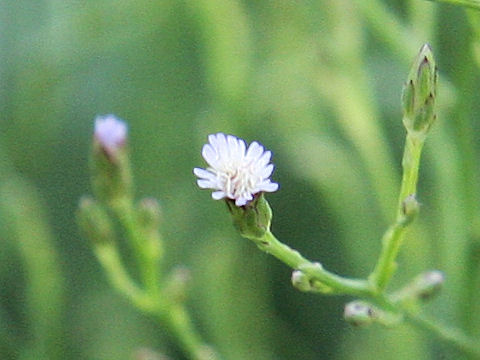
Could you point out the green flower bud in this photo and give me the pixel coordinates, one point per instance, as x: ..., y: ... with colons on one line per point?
x: 94, y: 222
x: 175, y: 285
x: 419, y: 93
x: 149, y: 214
x: 429, y: 284
x: 304, y: 283
x: 110, y: 166
x: 410, y: 209
x: 301, y: 281
x: 149, y: 218
x: 253, y: 219
x: 423, y: 287
x: 359, y: 313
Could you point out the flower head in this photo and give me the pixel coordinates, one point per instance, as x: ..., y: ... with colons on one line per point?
x: 235, y: 171
x: 110, y: 132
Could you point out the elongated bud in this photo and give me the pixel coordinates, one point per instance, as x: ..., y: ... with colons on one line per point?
x: 429, y: 284
x: 253, y: 219
x: 423, y: 287
x: 361, y: 313
x: 110, y: 167
x: 94, y: 222
x: 419, y: 93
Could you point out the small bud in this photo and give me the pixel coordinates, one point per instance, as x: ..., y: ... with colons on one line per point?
x: 430, y: 284
x: 175, y: 286
x: 359, y: 313
x: 149, y: 219
x: 253, y: 219
x: 419, y: 92
x: 110, y: 165
x: 423, y: 287
x: 410, y: 209
x: 94, y: 222
x: 301, y: 281
x: 304, y: 283
x: 149, y: 214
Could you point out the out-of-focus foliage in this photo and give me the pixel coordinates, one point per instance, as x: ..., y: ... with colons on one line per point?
x: 318, y: 82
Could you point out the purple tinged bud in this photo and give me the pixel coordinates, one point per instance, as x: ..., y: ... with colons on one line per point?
x: 110, y: 132
x: 110, y: 166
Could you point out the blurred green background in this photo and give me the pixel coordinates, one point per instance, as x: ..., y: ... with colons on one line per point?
x: 317, y: 82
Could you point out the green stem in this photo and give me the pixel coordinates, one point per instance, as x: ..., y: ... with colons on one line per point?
x: 392, y: 239
x: 109, y: 257
x: 172, y: 315
x: 176, y: 318
x: 449, y: 334
x: 410, y: 164
x: 315, y: 271
x: 147, y: 261
x: 362, y: 288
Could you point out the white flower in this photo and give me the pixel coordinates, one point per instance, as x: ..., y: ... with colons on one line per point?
x: 110, y: 132
x: 234, y: 171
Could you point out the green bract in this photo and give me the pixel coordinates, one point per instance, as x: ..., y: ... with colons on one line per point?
x: 253, y: 219
x: 419, y: 93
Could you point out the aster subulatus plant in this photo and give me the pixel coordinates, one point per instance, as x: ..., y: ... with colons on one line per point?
x: 241, y: 177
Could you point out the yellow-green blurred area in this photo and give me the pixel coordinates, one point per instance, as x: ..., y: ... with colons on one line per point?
x: 316, y: 82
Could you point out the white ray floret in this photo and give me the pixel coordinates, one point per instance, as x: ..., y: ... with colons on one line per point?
x: 235, y: 172
x: 110, y: 132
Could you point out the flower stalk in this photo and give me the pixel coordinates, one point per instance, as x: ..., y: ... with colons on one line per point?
x: 252, y: 215
x: 160, y: 297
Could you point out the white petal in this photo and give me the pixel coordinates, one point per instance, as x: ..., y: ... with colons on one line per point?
x: 206, y: 184
x: 222, y: 145
x: 204, y: 174
x: 212, y: 139
x: 217, y: 195
x: 269, y: 187
x: 210, y: 155
x: 255, y: 150
x: 242, y: 147
x: 240, y: 202
x: 266, y: 171
x: 264, y: 159
x: 232, y: 144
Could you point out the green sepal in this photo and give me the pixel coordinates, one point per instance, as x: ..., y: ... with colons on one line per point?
x: 253, y: 219
x: 110, y: 173
x: 419, y: 92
